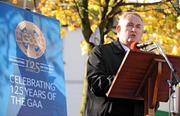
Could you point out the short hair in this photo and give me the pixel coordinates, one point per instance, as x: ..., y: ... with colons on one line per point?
x: 126, y: 14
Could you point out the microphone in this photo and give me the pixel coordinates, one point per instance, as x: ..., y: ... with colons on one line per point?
x: 143, y: 45
x: 133, y: 46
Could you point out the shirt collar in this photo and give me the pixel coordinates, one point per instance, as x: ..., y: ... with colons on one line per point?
x: 124, y: 46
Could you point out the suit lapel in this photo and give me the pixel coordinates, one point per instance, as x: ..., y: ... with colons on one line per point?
x: 117, y: 47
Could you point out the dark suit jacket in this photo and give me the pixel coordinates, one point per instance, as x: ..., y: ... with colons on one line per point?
x: 102, y: 66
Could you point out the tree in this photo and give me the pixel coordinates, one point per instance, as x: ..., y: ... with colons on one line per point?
x: 100, y: 14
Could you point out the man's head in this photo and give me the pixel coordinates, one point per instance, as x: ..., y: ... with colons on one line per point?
x: 130, y: 28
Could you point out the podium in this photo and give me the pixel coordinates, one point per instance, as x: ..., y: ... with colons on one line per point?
x: 143, y: 76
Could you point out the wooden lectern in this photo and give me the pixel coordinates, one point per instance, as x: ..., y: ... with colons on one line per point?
x: 143, y: 76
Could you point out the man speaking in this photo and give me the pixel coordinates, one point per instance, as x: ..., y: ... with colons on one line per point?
x: 102, y: 66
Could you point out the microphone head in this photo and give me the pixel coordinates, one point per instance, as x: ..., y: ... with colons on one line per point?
x: 133, y: 46
x: 143, y: 45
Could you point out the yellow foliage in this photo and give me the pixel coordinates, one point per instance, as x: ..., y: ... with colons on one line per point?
x: 107, y: 39
x: 93, y: 27
x: 175, y: 50
x: 85, y: 47
x: 178, y: 26
x: 63, y: 12
x: 71, y: 27
x: 62, y: 31
x: 178, y: 85
x: 162, y: 27
x: 178, y: 18
x: 93, y: 7
x: 14, y: 1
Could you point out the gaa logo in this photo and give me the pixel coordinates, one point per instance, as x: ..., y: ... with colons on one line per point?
x: 30, y: 39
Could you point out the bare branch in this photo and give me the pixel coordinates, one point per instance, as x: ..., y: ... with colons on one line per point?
x: 140, y: 4
x: 86, y: 28
x: 176, y: 6
x: 105, y: 9
x: 121, y: 3
x: 77, y: 8
x: 103, y: 20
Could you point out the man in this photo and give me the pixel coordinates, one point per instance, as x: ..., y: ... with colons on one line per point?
x: 102, y: 66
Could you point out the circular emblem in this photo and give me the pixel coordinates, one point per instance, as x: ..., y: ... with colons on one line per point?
x: 30, y: 39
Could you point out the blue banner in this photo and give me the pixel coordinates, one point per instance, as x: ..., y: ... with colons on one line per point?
x: 31, y: 69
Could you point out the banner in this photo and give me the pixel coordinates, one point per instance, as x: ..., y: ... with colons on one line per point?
x: 31, y: 68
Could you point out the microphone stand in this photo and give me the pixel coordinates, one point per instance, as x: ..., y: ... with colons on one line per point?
x: 173, y: 82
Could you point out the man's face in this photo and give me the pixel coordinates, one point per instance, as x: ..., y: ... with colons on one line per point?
x: 130, y: 29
